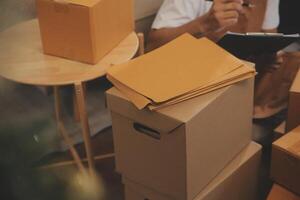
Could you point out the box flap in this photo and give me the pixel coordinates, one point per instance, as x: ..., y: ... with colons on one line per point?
x: 290, y: 143
x: 87, y: 3
x: 296, y: 84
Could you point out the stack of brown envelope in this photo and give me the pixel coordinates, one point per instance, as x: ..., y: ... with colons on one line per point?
x: 180, y: 70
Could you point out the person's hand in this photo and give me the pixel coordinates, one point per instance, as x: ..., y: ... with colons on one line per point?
x: 223, y: 14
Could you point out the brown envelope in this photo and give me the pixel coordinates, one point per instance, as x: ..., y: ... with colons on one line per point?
x: 160, y: 106
x: 137, y: 99
x: 176, y: 68
x: 140, y: 101
x: 239, y: 74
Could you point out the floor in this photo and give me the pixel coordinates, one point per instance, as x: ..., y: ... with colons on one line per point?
x: 102, y: 144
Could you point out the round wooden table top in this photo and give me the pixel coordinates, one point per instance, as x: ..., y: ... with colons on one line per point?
x: 22, y: 59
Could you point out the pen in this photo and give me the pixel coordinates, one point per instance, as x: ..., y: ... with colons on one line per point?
x: 249, y: 5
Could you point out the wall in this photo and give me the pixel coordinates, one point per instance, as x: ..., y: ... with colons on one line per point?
x: 14, y: 11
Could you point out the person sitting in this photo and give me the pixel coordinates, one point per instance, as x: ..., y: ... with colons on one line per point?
x: 204, y: 18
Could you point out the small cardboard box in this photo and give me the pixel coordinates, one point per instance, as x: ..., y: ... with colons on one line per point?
x: 280, y: 193
x: 285, y: 168
x: 238, y: 181
x: 84, y: 30
x: 178, y: 150
x: 293, y: 119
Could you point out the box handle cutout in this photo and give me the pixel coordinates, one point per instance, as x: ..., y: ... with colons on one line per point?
x: 146, y: 130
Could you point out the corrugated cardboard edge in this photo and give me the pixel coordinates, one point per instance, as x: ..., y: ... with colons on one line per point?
x: 293, y: 138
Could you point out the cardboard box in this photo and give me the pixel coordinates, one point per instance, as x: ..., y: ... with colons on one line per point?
x: 293, y: 119
x: 280, y: 193
x: 238, y: 181
x: 84, y: 30
x: 178, y: 150
x: 285, y: 168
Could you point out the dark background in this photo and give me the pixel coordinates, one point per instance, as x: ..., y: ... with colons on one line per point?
x: 289, y: 16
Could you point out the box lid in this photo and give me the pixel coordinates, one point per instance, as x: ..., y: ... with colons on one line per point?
x: 87, y: 3
x: 290, y: 143
x: 167, y: 119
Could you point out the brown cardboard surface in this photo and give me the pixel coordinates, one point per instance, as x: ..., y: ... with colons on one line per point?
x: 237, y: 181
x: 293, y: 119
x: 176, y: 68
x: 285, y: 168
x: 177, y: 152
x: 79, y: 30
x: 280, y: 193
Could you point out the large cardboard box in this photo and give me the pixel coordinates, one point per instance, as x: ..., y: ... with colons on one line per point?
x: 285, y: 168
x: 293, y: 119
x: 238, y: 181
x: 280, y: 193
x: 84, y: 30
x: 178, y: 150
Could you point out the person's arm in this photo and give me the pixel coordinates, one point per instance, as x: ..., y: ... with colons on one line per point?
x: 223, y: 14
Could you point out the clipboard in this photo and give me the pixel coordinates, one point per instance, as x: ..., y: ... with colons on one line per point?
x: 243, y: 45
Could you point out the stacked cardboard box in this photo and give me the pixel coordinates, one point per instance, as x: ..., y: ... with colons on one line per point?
x: 84, y: 30
x: 280, y: 193
x: 237, y: 181
x: 177, y: 151
x: 293, y: 119
x: 285, y: 168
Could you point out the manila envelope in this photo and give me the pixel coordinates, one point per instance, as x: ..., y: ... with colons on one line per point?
x: 244, y: 72
x: 186, y: 63
x: 140, y: 101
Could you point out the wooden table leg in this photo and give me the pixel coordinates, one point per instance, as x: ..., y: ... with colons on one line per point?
x: 79, y: 90
x: 75, y: 108
x: 57, y: 104
x: 75, y: 104
x: 63, y: 131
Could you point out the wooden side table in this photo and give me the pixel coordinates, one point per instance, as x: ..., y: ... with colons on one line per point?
x: 22, y: 61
